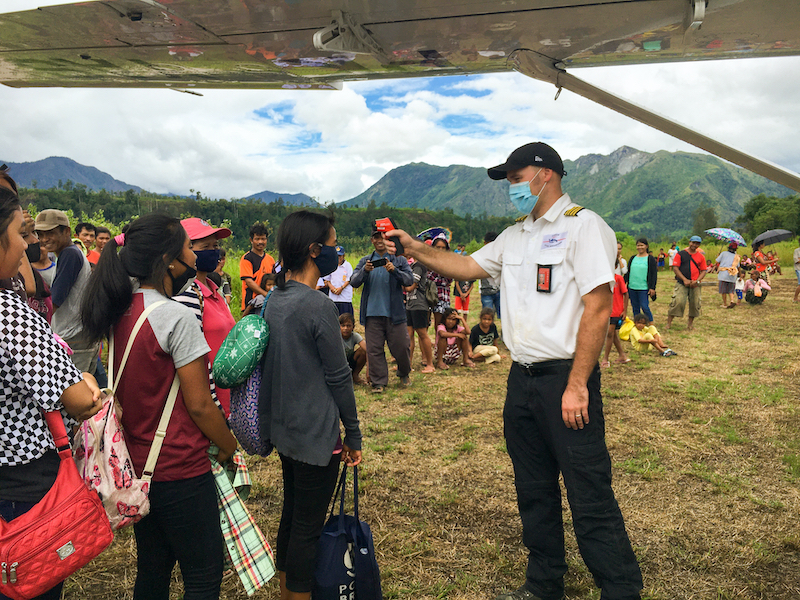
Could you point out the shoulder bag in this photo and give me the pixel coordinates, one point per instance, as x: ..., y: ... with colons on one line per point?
x: 242, y: 350
x: 346, y: 553
x: 244, y: 418
x: 102, y: 456
x: 63, y: 532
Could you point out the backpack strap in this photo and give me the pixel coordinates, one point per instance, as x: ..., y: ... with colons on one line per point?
x: 134, y: 332
x: 166, y: 414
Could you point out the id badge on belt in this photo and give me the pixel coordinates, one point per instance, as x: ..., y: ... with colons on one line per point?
x: 544, y: 275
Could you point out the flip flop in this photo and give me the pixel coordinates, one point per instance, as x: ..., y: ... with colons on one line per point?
x: 623, y: 362
x: 605, y: 364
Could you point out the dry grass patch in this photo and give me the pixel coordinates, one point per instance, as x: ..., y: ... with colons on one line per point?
x: 706, y: 454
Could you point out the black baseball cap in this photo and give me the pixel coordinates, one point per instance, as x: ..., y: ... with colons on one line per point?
x: 537, y: 154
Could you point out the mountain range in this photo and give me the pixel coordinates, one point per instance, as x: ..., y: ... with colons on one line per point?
x: 639, y: 192
x: 643, y: 193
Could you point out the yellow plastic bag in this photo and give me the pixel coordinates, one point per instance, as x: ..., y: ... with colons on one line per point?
x: 625, y: 330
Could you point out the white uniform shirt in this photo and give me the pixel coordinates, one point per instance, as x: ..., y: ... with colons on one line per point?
x: 582, y: 249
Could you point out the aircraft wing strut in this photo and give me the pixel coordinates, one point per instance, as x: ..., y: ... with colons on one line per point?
x: 540, y: 67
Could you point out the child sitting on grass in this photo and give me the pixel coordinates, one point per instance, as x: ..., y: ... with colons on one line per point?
x: 483, y: 338
x: 355, y: 348
x: 643, y: 337
x: 451, y: 340
x: 756, y: 289
x: 618, y: 310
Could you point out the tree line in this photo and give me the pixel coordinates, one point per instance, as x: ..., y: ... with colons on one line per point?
x: 353, y: 225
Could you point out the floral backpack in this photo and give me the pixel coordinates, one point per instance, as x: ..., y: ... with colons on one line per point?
x: 102, y: 457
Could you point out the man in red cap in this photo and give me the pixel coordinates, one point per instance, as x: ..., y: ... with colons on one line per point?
x: 556, y: 272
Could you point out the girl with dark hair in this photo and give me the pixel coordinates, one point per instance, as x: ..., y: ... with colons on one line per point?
x: 37, y: 375
x: 442, y: 284
x: 152, y: 262
x: 762, y: 262
x: 641, y: 278
x: 307, y: 391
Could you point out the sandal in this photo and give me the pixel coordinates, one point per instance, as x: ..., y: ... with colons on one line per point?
x: 605, y: 364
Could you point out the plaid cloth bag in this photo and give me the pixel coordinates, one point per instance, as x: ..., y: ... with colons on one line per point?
x: 246, y: 548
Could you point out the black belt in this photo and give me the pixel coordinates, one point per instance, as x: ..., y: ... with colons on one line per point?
x: 546, y: 367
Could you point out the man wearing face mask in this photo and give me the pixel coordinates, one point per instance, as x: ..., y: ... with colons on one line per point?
x: 383, y: 313
x: 69, y: 286
x: 556, y: 269
x: 203, y: 296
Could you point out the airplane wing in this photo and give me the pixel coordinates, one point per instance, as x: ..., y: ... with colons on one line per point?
x: 318, y: 44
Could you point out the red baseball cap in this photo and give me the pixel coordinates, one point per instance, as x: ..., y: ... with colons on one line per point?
x: 197, y: 229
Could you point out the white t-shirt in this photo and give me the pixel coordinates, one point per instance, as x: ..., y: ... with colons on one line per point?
x: 342, y: 274
x: 671, y: 253
x: 581, y: 251
x: 796, y: 257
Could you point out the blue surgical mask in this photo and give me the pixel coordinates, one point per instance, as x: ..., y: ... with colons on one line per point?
x: 207, y: 260
x: 327, y: 261
x: 521, y: 196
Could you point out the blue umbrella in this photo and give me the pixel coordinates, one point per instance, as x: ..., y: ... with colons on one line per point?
x: 726, y: 235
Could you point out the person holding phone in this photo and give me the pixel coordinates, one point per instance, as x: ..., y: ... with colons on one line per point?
x: 382, y: 311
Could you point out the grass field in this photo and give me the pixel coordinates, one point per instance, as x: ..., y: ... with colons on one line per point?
x: 706, y: 455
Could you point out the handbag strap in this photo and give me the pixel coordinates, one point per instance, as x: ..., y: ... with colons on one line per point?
x: 134, y: 332
x: 55, y: 422
x: 264, y: 305
x: 355, y: 491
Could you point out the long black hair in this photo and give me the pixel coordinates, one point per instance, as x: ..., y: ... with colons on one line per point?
x: 295, y: 235
x: 9, y: 204
x: 151, y: 243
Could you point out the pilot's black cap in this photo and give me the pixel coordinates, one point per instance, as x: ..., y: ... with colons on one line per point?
x: 537, y: 154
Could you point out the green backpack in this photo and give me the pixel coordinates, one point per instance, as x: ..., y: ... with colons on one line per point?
x: 242, y: 350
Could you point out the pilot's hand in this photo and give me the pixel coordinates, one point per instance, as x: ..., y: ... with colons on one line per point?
x: 389, y: 266
x: 405, y: 239
x: 368, y: 266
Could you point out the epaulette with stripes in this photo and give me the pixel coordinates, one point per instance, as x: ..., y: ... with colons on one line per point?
x: 520, y: 219
x: 573, y: 212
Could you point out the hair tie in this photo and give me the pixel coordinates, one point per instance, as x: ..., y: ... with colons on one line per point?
x: 120, y: 239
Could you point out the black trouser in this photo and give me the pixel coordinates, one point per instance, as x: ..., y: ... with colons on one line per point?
x: 307, y: 492
x: 183, y: 526
x: 541, y: 446
x: 10, y: 510
x: 377, y: 332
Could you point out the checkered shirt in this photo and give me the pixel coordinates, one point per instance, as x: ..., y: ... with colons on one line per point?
x: 442, y: 286
x: 35, y: 371
x: 246, y: 548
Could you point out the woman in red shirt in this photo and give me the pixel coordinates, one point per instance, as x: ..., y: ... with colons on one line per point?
x: 216, y: 315
x: 762, y: 262
x: 152, y: 262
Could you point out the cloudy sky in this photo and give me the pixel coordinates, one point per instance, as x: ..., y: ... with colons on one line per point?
x: 334, y: 145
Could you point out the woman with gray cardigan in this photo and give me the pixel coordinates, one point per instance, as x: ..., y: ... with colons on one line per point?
x: 307, y: 391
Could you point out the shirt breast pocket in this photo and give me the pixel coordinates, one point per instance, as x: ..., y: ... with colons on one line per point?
x: 550, y: 268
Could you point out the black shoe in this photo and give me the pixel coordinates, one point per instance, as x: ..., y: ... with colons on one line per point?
x: 521, y: 594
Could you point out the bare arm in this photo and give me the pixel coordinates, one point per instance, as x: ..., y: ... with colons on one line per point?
x: 592, y: 332
x: 201, y: 408
x: 254, y: 287
x: 82, y: 399
x: 448, y: 264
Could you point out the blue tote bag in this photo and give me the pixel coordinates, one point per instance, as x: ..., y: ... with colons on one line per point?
x: 346, y: 564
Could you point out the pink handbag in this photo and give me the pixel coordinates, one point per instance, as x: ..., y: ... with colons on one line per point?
x: 101, y: 454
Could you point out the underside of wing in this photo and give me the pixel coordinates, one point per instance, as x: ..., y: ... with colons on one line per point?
x: 317, y: 44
